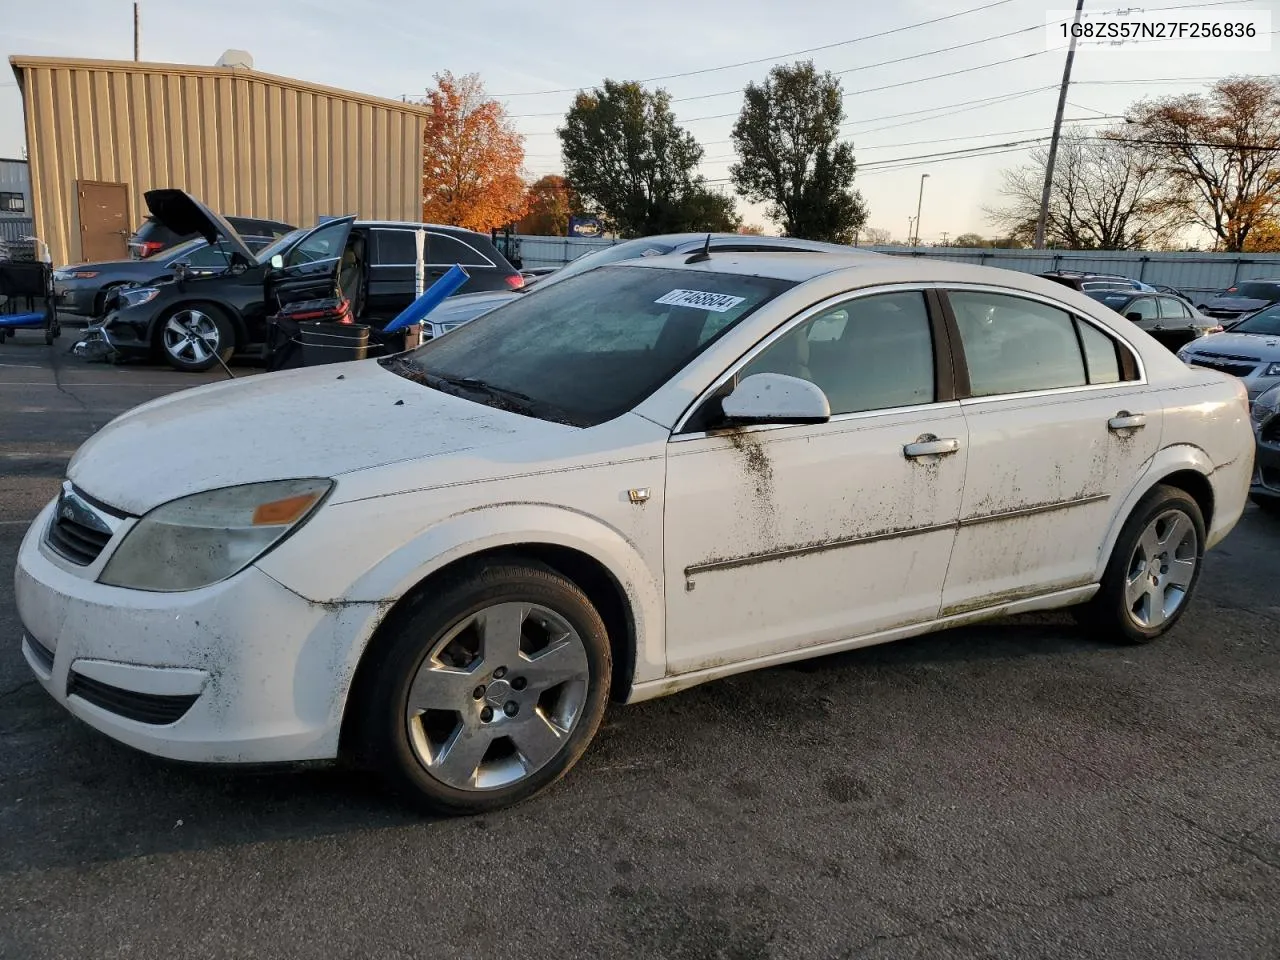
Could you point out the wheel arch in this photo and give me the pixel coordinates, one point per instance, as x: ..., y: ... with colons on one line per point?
x: 1184, y: 466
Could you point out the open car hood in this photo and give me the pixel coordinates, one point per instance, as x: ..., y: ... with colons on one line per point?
x: 184, y: 214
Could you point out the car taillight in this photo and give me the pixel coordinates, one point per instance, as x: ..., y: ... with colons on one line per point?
x: 514, y: 281
x: 148, y: 247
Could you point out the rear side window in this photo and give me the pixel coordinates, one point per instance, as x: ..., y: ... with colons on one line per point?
x: 394, y: 248
x: 1171, y: 308
x: 443, y: 250
x: 1101, y: 354
x: 1014, y: 345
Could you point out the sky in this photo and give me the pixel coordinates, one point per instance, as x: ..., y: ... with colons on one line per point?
x: 894, y: 112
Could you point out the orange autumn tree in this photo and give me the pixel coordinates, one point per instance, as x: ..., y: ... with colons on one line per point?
x: 471, y: 159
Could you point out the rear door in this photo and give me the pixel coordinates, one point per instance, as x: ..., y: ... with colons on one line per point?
x: 1061, y: 424
x: 393, y: 258
x: 310, y: 268
x: 1176, y: 323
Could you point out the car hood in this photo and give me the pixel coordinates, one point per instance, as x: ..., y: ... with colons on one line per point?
x: 312, y: 422
x: 1239, y: 345
x: 464, y: 306
x: 184, y: 214
x: 1238, y: 304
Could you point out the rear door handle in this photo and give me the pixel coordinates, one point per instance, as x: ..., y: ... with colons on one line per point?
x: 1124, y: 420
x: 931, y: 446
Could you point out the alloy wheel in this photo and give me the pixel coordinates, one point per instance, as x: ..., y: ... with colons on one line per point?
x: 1161, y: 569
x: 191, y: 336
x: 498, y: 696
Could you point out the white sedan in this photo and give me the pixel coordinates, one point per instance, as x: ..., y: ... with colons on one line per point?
x: 647, y: 476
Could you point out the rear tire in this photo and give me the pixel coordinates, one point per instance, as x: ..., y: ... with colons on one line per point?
x: 486, y: 689
x: 1154, y: 568
x: 193, y: 336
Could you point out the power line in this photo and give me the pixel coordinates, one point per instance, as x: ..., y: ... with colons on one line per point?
x: 907, y: 83
x: 783, y: 56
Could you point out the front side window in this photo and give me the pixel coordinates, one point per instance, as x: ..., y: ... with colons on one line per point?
x: 590, y: 348
x: 1014, y: 345
x: 323, y: 243
x: 872, y: 353
x: 1144, y: 307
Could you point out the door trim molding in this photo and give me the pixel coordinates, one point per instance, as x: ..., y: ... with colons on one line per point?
x: 836, y: 543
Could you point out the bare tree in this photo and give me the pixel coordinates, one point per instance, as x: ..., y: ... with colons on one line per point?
x: 1106, y: 195
x: 875, y: 236
x: 1219, y: 155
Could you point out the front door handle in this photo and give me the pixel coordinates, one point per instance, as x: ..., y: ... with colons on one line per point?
x: 931, y: 446
x: 1124, y: 420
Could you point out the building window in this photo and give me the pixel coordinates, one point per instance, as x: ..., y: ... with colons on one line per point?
x: 13, y: 203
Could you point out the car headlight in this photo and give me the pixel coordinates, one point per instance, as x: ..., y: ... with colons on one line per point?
x: 137, y: 296
x: 1267, y: 404
x: 198, y: 540
x: 1273, y: 370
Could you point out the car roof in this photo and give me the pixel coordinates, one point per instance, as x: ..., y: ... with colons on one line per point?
x: 863, y: 269
x: 411, y: 225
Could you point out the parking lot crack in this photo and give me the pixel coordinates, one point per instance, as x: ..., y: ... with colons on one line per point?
x: 12, y: 690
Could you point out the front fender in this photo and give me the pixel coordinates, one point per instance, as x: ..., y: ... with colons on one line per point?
x: 389, y: 577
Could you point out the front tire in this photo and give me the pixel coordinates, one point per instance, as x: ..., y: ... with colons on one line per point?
x: 194, y: 336
x: 1153, y: 571
x: 487, y: 688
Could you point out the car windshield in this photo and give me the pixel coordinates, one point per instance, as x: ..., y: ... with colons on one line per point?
x: 1255, y: 291
x: 279, y: 245
x: 184, y: 249
x: 1265, y: 323
x: 589, y: 349
x: 629, y: 250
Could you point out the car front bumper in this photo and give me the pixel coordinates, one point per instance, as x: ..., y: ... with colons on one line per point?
x: 1266, y: 464
x: 243, y: 671
x: 76, y: 297
x: 127, y: 330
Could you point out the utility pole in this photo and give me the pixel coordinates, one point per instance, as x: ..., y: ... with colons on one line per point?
x: 910, y: 235
x: 944, y: 238
x: 919, y: 201
x: 136, y: 37
x: 1057, y: 132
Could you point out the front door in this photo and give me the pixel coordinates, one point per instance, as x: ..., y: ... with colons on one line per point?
x: 104, y: 223
x: 311, y: 267
x: 782, y: 537
x: 1060, y: 428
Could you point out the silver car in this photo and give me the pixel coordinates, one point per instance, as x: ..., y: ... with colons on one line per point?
x: 459, y: 309
x: 1250, y: 350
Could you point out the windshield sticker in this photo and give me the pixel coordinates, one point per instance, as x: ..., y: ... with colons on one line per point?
x: 700, y: 300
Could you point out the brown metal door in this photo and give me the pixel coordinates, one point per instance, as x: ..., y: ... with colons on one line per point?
x: 104, y: 224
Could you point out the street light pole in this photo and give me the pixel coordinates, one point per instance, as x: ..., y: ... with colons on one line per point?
x: 919, y: 201
x: 910, y: 230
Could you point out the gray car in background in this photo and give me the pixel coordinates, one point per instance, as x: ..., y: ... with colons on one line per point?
x: 459, y: 309
x: 1250, y: 350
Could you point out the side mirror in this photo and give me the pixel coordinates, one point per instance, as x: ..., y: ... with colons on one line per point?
x: 181, y: 269
x: 775, y: 398
x: 1133, y: 315
x: 277, y: 262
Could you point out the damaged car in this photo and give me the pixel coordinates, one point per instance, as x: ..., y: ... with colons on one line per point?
x: 194, y: 321
x: 443, y: 564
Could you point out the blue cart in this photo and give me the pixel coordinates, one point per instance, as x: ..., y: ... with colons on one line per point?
x: 26, y: 299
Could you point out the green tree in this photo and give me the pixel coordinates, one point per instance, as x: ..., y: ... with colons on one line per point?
x: 627, y: 158
x: 790, y: 157
x: 970, y: 240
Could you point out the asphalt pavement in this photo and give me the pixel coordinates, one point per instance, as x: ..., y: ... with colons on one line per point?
x: 1015, y: 789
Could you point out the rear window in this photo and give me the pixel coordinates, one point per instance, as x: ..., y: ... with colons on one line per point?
x: 592, y: 347
x: 443, y: 249
x: 1112, y: 299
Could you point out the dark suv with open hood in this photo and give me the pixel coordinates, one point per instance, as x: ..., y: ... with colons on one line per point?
x: 1240, y: 300
x: 191, y: 321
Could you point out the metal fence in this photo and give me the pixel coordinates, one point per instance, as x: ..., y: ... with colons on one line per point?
x: 1195, y: 274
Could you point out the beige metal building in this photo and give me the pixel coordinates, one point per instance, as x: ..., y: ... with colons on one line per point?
x: 100, y: 133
